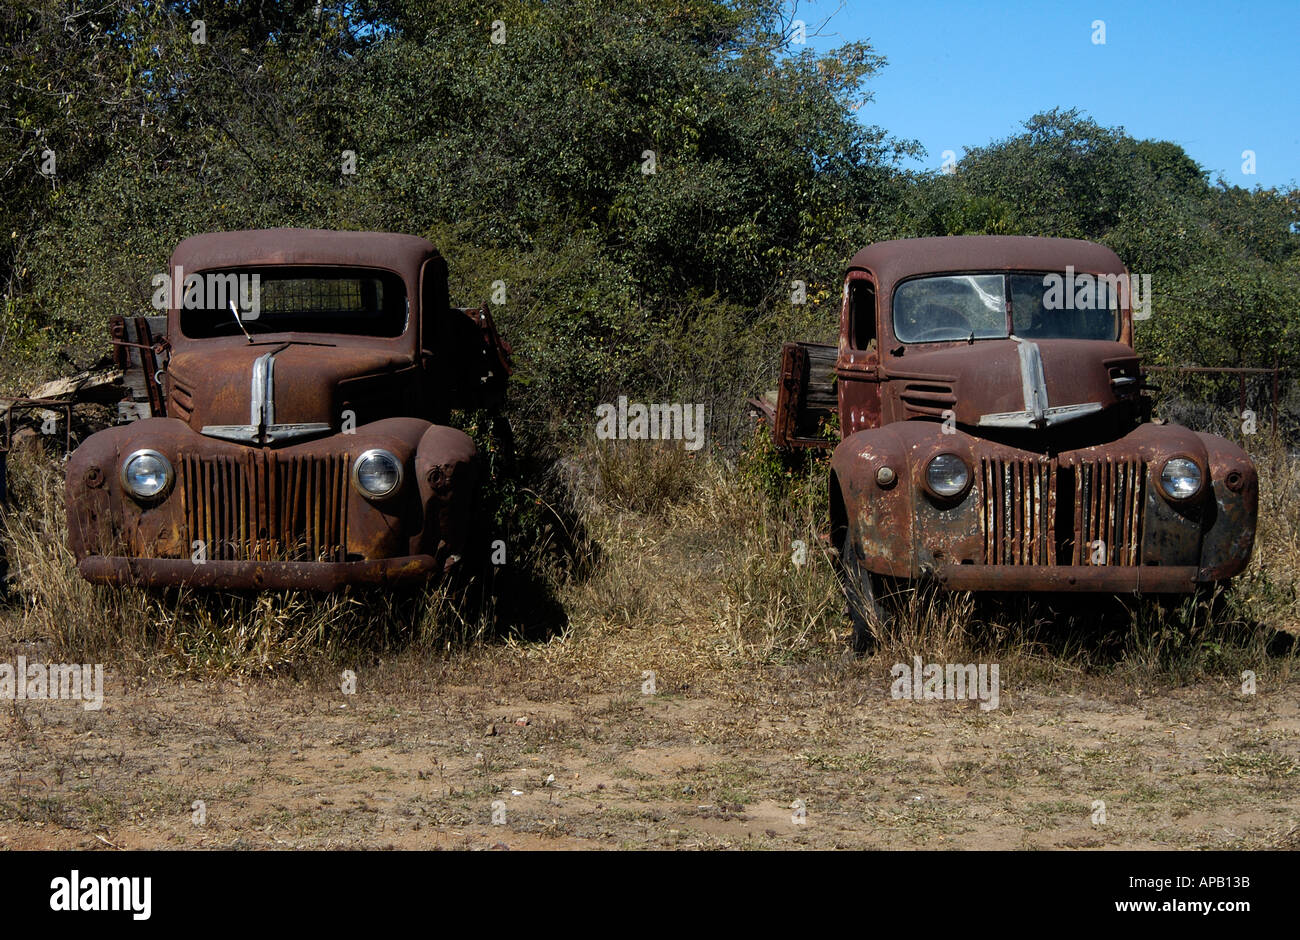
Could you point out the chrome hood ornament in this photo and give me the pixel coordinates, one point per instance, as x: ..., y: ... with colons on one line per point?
x: 1038, y: 412
x: 261, y: 427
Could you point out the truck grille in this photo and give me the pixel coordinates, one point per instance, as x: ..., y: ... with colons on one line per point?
x: 258, y: 506
x: 1035, y: 512
x: 1108, y: 509
x: 1019, y: 500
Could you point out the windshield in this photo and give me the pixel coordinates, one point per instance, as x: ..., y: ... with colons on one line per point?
x: 975, y: 306
x: 299, y: 300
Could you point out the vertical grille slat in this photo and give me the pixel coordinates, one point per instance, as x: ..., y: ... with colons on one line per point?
x: 226, y: 479
x: 209, y: 482
x: 261, y: 507
x: 251, y: 478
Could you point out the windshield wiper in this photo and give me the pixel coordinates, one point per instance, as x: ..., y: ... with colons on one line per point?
x: 238, y: 320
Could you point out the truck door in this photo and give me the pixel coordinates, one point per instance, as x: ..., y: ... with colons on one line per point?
x: 858, y: 365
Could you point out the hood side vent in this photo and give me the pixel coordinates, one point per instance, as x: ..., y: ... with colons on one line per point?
x: 182, y: 401
x: 927, y: 398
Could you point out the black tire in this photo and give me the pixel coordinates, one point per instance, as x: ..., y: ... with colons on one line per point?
x: 862, y: 592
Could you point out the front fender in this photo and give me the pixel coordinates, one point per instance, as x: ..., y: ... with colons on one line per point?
x: 446, y: 466
x: 879, y: 518
x: 1230, y: 539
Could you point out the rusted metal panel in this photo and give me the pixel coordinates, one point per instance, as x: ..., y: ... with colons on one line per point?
x: 794, y: 373
x: 258, y: 512
x: 1109, y: 497
x: 1136, y: 579
x: 857, y: 367
x: 1018, y: 503
x: 891, y: 262
x: 401, y: 254
x: 489, y: 362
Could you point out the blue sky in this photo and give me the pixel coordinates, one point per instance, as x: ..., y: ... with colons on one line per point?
x: 1216, y: 78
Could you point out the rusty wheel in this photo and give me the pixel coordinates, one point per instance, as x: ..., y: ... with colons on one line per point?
x: 862, y: 591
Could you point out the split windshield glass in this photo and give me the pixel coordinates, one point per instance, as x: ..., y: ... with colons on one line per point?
x: 1042, y: 306
x: 297, y: 300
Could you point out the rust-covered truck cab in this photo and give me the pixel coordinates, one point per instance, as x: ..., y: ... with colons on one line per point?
x: 309, y: 377
x: 995, y: 434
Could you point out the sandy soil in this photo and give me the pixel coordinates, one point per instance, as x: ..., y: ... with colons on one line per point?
x: 420, y: 756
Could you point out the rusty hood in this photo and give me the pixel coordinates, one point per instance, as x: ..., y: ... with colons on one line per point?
x: 1012, y: 383
x: 269, y: 393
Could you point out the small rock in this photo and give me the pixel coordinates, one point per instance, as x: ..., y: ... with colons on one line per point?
x: 491, y: 731
x: 521, y: 721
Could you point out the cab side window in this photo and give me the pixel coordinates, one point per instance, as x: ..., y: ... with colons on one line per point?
x: 434, y: 305
x: 862, y: 313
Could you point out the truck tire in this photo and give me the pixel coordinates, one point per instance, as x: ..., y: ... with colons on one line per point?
x: 862, y: 592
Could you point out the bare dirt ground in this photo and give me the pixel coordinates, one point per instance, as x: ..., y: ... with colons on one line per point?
x: 571, y: 756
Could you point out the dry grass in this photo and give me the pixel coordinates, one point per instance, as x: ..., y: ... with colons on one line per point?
x: 698, y: 571
x: 644, y: 478
x: 1270, y: 587
x: 721, y: 562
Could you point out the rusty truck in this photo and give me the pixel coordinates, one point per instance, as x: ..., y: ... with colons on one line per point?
x: 995, y: 433
x: 295, y: 431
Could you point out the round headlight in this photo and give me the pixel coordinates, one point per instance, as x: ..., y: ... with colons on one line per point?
x: 377, y: 473
x: 947, y: 475
x: 146, y: 474
x: 1181, y: 478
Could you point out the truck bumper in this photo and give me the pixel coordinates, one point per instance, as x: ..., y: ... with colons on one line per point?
x: 256, y: 575
x: 1144, y: 579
